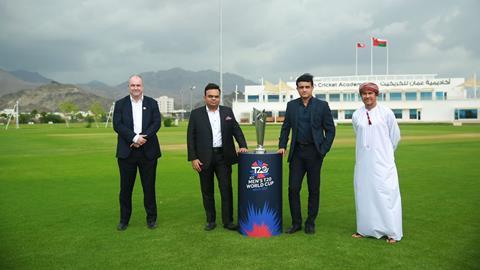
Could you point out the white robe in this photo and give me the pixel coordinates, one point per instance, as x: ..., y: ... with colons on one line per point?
x: 377, y: 194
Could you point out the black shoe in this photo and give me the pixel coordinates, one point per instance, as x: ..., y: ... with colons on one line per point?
x: 309, y: 229
x: 122, y: 226
x: 231, y: 227
x: 294, y: 229
x: 210, y: 226
x: 152, y: 224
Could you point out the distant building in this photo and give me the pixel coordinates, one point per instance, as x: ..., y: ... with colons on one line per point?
x: 413, y: 98
x: 165, y: 104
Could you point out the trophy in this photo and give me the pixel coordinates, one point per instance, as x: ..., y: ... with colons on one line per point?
x: 259, y: 118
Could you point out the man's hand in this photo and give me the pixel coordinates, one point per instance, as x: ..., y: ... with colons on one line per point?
x: 197, y: 165
x: 141, y: 139
x: 282, y: 151
x: 136, y: 145
x: 242, y: 150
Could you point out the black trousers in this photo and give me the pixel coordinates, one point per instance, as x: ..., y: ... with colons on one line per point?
x: 305, y: 159
x: 128, y: 172
x: 223, y: 171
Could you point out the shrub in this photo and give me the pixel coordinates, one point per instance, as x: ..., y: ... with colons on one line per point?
x: 168, y: 122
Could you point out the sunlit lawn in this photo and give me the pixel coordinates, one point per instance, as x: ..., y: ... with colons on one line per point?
x: 59, y: 206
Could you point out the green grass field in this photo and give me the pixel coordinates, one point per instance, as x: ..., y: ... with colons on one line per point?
x: 59, y: 206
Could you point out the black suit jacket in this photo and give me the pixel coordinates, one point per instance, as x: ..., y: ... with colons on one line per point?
x: 199, y: 136
x: 321, y: 120
x: 123, y: 125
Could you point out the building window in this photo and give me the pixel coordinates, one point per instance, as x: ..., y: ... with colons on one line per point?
x: 335, y: 114
x: 349, y: 114
x: 398, y: 113
x: 425, y: 95
x: 440, y: 96
x: 253, y: 98
x: 395, y: 96
x: 321, y: 96
x: 273, y: 98
x: 413, y: 114
x: 380, y: 97
x: 349, y: 97
x: 466, y: 114
x: 284, y: 97
x: 334, y: 97
x: 281, y: 113
x: 411, y: 96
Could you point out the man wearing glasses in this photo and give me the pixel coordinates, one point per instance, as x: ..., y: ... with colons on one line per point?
x: 136, y: 119
x: 211, y: 150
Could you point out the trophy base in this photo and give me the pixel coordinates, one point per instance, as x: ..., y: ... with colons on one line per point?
x: 260, y: 150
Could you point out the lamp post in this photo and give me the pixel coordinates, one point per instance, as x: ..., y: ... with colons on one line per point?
x: 181, y: 98
x: 191, y: 93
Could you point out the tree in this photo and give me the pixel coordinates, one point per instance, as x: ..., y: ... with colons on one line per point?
x: 68, y: 108
x: 97, y: 111
x: 34, y: 113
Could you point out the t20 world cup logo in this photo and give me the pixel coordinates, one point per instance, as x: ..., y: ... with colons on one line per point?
x: 259, y: 169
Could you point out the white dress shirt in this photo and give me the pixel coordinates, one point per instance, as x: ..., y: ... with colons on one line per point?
x: 214, y: 117
x: 137, y: 112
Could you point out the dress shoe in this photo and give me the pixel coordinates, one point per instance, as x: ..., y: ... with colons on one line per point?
x: 293, y: 229
x: 122, y: 226
x: 231, y: 227
x: 309, y: 229
x: 210, y: 226
x: 152, y: 224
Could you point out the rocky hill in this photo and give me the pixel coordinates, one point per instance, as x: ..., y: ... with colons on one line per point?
x: 176, y: 83
x: 48, y: 97
x: 9, y: 83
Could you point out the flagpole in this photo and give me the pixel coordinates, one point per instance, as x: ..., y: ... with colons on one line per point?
x: 388, y: 45
x: 475, y: 84
x: 221, y: 48
x: 371, y: 56
x: 356, y: 59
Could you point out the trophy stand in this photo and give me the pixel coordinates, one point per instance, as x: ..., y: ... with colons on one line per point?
x: 260, y: 187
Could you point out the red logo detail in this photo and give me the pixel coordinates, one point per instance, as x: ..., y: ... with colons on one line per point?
x: 259, y: 231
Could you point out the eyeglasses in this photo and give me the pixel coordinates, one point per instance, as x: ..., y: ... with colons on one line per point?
x: 135, y: 85
x: 369, y: 121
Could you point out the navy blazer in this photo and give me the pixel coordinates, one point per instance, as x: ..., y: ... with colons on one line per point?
x: 123, y: 125
x: 321, y: 120
x: 200, y: 138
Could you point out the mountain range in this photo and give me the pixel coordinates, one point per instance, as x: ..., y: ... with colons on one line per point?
x: 44, y: 94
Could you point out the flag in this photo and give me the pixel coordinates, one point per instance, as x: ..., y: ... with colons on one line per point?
x: 361, y: 45
x: 379, y: 42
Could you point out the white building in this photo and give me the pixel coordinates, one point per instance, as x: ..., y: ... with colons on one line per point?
x: 413, y: 98
x: 165, y: 104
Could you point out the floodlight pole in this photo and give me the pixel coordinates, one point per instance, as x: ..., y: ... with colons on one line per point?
x: 15, y: 112
x: 110, y: 114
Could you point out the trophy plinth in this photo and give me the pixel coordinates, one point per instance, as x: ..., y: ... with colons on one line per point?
x: 260, y: 150
x: 260, y: 121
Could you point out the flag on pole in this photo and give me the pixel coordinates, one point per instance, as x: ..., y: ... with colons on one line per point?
x: 379, y: 42
x: 361, y: 45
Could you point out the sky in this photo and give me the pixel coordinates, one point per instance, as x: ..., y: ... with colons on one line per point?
x: 79, y: 41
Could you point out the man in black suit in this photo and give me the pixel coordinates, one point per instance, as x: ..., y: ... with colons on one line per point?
x: 313, y: 131
x: 136, y: 119
x: 211, y: 150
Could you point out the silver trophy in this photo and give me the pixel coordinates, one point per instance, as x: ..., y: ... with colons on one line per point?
x: 259, y: 118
